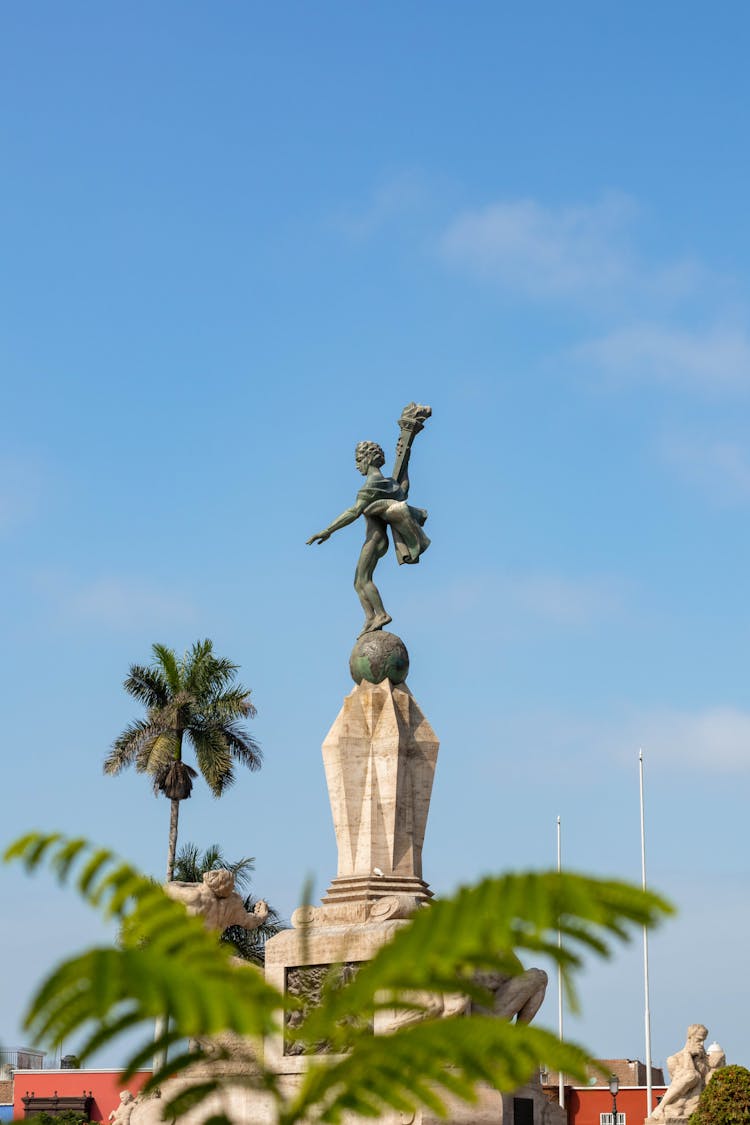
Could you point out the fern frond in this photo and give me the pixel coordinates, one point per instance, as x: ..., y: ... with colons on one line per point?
x: 480, y: 928
x: 167, y: 962
x: 424, y: 1064
x: 169, y: 965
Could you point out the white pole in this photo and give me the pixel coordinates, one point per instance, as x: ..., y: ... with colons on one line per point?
x: 561, y: 1076
x: 647, y: 1009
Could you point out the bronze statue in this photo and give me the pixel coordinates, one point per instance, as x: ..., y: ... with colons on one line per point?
x: 382, y: 501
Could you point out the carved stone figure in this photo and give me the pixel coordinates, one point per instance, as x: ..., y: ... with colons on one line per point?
x: 382, y: 501
x: 689, y: 1070
x: 123, y: 1112
x: 514, y: 997
x: 217, y: 902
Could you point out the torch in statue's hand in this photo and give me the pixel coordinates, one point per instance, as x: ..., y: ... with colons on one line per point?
x: 414, y: 416
x: 411, y: 422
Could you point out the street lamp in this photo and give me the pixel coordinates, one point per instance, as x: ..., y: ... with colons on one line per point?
x: 614, y: 1086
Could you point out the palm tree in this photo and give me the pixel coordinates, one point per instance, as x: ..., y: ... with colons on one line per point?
x: 194, y: 698
x: 190, y: 867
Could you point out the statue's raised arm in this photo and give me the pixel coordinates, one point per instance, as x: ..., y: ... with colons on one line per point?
x: 411, y: 422
x: 382, y: 501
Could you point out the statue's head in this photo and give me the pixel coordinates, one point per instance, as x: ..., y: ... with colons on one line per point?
x: 126, y: 1097
x: 220, y: 881
x: 368, y: 453
x: 697, y: 1032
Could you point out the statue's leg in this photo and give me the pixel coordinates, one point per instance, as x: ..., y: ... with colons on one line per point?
x: 679, y: 1088
x: 521, y: 996
x: 375, y: 546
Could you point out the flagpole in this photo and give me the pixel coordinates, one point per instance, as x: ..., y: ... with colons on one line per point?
x: 560, y: 1076
x: 647, y: 1009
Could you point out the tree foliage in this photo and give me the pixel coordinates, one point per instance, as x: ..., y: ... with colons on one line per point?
x: 726, y: 1098
x: 191, y: 864
x: 169, y: 965
x: 64, y: 1117
x: 193, y: 698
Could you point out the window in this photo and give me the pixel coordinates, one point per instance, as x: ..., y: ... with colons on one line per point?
x: 606, y: 1119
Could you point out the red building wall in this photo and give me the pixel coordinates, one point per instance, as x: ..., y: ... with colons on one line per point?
x: 585, y: 1104
x: 104, y: 1085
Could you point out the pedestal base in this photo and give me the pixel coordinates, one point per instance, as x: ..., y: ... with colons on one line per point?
x: 373, y: 888
x: 340, y: 933
x: 245, y: 1106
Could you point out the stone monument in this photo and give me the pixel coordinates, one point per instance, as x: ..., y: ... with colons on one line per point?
x: 379, y: 758
x: 690, y: 1070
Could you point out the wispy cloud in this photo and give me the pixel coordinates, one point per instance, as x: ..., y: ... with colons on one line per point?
x: 395, y: 196
x: 588, y: 257
x: 709, y: 739
x: 721, y: 468
x: 572, y: 253
x: 118, y: 603
x: 716, y: 359
x: 556, y: 600
x: 563, y: 601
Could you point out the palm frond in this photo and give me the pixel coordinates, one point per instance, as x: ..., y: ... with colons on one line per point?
x: 191, y: 865
x: 212, y: 755
x: 166, y: 660
x: 242, y: 746
x: 187, y: 864
x: 158, y: 751
x: 242, y: 870
x: 232, y: 703
x: 147, y: 685
x: 207, y: 674
x: 126, y: 747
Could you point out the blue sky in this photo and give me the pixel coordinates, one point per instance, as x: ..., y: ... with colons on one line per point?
x: 235, y: 241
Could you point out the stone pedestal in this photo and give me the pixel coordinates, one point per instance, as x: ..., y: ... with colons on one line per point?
x: 379, y: 758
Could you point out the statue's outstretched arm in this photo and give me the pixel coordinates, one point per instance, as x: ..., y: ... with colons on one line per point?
x: 349, y: 516
x: 247, y: 920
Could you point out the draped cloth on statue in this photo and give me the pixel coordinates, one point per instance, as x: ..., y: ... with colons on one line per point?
x: 386, y: 502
